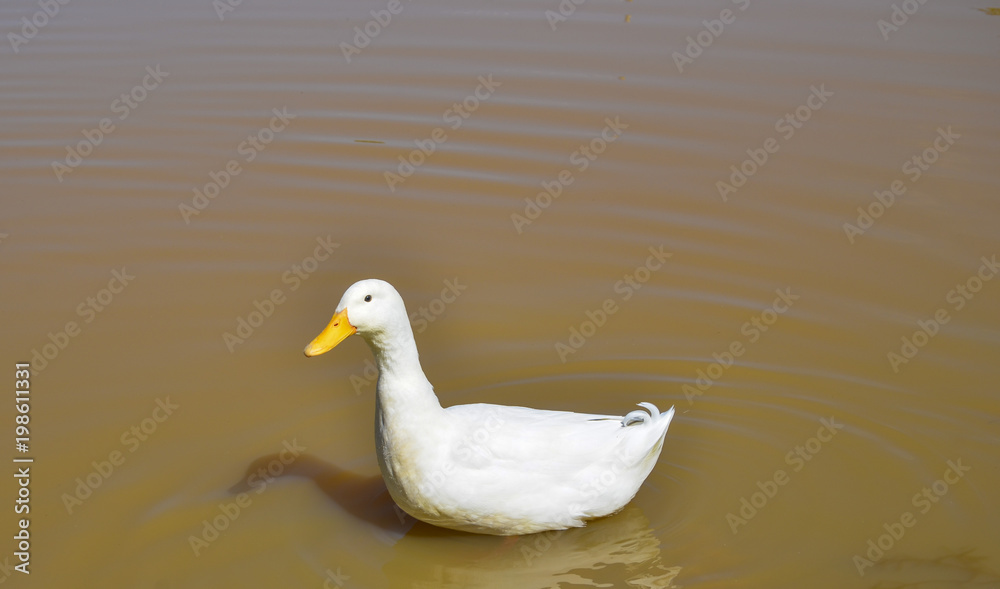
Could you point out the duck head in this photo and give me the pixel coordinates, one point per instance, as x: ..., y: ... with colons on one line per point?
x: 370, y: 308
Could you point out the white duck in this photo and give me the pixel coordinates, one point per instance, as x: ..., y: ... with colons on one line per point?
x: 490, y: 469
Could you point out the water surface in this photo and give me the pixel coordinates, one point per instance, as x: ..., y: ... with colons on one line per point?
x: 819, y: 305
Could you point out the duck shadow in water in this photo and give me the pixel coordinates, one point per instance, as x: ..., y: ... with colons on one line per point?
x: 619, y: 542
x: 364, y: 497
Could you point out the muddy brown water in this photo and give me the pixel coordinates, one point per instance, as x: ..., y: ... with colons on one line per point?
x: 779, y: 217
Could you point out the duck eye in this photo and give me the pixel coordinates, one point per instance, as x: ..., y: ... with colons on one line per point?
x: 368, y: 298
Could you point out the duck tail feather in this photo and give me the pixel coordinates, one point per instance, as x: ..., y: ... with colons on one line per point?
x: 651, y: 414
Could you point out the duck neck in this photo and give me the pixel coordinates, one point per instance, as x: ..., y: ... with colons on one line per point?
x: 402, y: 385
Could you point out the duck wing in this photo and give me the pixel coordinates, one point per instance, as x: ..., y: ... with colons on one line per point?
x: 547, y: 465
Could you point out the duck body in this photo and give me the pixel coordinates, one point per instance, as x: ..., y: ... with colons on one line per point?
x: 489, y: 469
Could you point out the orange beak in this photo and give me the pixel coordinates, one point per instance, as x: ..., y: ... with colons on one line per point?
x: 336, y: 332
